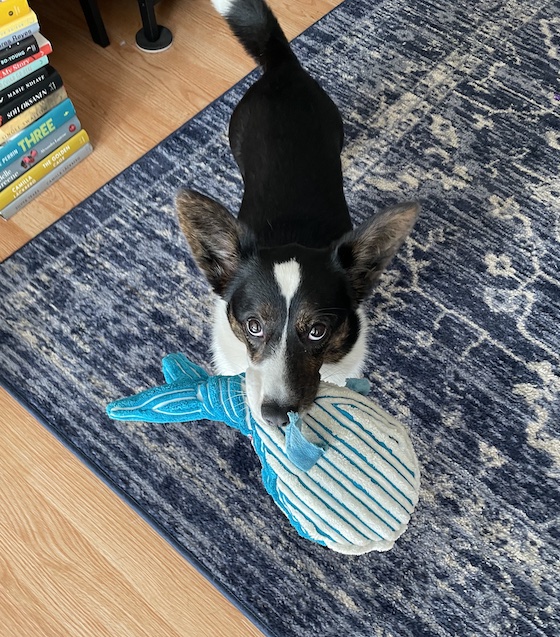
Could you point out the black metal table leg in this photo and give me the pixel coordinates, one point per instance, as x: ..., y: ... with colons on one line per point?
x: 95, y: 22
x: 152, y: 37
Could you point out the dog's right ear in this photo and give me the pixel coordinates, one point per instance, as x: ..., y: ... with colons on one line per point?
x: 216, y: 238
x: 367, y: 250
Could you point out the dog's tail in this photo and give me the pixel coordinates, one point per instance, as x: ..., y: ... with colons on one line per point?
x: 256, y: 27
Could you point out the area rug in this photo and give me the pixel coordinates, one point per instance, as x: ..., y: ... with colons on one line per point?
x: 451, y: 103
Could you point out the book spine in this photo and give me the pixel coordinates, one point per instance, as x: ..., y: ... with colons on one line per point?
x: 18, y: 50
x: 46, y: 145
x: 32, y: 135
x: 19, y: 35
x: 44, y: 49
x: 7, y: 48
x: 12, y: 10
x: 45, y: 182
x: 14, y: 108
x: 25, y: 84
x: 49, y: 163
x: 22, y: 22
x: 24, y: 72
x: 31, y: 114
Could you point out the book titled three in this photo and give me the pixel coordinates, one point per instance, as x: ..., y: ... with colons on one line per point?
x: 34, y: 154
x: 41, y: 137
x: 28, y: 138
x: 36, y: 179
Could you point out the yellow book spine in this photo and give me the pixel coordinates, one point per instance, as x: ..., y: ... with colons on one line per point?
x: 35, y: 174
x: 29, y: 115
x: 18, y: 24
x: 12, y: 10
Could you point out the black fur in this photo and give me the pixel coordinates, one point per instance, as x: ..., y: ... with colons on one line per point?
x: 286, y: 135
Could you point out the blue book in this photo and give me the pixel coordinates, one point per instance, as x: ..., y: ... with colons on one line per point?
x: 46, y: 145
x: 26, y: 70
x: 24, y: 32
x: 29, y: 137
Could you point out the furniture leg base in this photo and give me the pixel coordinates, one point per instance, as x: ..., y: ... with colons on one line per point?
x: 161, y: 43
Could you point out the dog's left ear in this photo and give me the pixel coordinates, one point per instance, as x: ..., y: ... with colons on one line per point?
x: 218, y: 241
x: 368, y: 249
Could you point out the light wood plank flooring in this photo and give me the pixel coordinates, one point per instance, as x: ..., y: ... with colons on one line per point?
x: 74, y: 559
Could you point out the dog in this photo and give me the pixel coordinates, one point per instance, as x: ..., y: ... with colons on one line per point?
x: 290, y: 273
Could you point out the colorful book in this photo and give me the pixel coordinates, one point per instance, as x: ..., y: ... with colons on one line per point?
x: 31, y: 114
x: 18, y: 50
x: 5, y: 47
x: 22, y: 102
x: 19, y: 35
x: 12, y: 9
x: 16, y: 76
x: 32, y: 135
x: 22, y: 22
x: 46, y: 181
x: 45, y: 48
x: 23, y: 85
x: 34, y: 155
x: 43, y: 168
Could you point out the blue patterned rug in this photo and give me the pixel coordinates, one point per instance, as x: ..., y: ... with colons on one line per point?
x: 450, y: 102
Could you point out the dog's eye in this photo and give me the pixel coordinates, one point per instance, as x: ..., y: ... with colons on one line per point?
x: 317, y: 332
x: 254, y: 328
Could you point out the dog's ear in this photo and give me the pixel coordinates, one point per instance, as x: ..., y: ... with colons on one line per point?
x: 216, y: 238
x: 367, y: 250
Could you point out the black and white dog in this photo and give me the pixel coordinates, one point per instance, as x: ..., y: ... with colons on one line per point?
x: 290, y: 272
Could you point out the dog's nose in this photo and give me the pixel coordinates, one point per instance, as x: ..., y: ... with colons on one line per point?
x: 276, y: 414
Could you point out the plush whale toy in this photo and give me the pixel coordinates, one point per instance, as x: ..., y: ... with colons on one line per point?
x: 345, y: 475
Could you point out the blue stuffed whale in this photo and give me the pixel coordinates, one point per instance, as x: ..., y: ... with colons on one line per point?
x: 345, y: 475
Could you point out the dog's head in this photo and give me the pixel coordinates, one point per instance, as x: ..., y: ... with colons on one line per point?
x: 295, y: 309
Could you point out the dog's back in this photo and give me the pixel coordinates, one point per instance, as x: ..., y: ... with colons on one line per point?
x: 286, y: 135
x: 290, y: 270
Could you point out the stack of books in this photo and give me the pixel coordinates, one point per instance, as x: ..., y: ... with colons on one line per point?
x: 41, y: 137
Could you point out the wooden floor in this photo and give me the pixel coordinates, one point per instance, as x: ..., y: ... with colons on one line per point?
x: 74, y: 559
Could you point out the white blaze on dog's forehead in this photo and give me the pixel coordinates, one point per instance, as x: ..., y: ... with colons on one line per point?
x: 272, y: 372
x: 288, y: 277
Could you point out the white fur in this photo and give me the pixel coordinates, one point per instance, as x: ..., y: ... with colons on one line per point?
x: 253, y: 388
x: 231, y: 358
x: 223, y: 6
x: 230, y: 354
x: 288, y: 278
x: 267, y: 382
x: 351, y: 365
x: 268, y: 379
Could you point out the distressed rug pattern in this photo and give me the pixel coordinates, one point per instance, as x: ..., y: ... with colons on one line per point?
x: 452, y: 103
